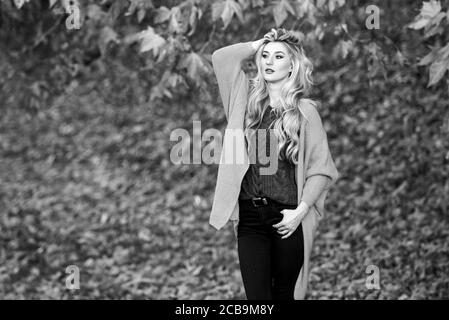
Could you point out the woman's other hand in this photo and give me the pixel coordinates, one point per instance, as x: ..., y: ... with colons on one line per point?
x: 291, y: 220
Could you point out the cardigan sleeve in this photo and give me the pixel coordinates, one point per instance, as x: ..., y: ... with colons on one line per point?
x: 318, y: 155
x: 227, y: 65
x: 313, y: 188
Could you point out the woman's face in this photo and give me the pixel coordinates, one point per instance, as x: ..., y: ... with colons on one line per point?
x: 275, y: 57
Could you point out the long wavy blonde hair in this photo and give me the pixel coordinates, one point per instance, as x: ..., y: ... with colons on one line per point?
x: 288, y: 114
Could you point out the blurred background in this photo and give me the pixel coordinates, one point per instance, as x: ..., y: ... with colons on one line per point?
x: 91, y: 90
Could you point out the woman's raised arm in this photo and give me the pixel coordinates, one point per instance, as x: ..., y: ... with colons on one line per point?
x: 227, y: 65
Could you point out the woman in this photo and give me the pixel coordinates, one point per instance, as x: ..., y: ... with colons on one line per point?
x: 275, y: 212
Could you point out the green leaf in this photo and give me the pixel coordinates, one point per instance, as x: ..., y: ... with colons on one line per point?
x: 107, y: 35
x: 195, y: 65
x: 244, y: 4
x: 95, y: 13
x: 345, y: 47
x: 419, y: 23
x: 141, y: 6
x: 439, y: 66
x: 19, y: 3
x: 226, y: 15
x: 162, y: 15
x: 444, y: 52
x: 430, y: 57
x: 150, y: 41
x: 52, y: 3
x: 175, y: 20
x: 141, y: 14
x: 230, y: 7
x: 115, y: 10
x: 318, y: 32
x: 335, y: 4
x: 434, y: 27
x: 174, y: 80
x: 238, y: 10
x: 195, y: 15
x: 288, y: 7
x: 320, y: 3
x: 132, y: 7
x: 217, y: 9
x: 280, y: 11
x: 400, y: 58
x: 304, y: 8
x: 437, y: 71
x: 257, y: 3
x: 428, y: 11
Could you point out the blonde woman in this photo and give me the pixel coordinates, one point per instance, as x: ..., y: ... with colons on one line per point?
x: 275, y: 205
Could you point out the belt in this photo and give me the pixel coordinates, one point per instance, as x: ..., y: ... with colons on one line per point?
x: 257, y: 201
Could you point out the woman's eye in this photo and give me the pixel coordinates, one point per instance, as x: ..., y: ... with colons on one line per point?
x: 265, y: 56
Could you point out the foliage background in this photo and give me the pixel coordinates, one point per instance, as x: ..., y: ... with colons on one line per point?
x: 86, y: 115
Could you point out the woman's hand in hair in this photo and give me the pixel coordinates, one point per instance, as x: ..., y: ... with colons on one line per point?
x: 291, y: 220
x: 257, y: 43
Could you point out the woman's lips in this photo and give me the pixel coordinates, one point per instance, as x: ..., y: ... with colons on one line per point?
x: 268, y: 70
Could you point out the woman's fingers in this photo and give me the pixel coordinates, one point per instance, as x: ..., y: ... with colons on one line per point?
x: 282, y: 227
x: 287, y: 232
x: 287, y: 235
x: 279, y: 225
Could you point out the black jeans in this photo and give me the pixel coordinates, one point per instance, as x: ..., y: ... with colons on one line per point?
x: 269, y: 265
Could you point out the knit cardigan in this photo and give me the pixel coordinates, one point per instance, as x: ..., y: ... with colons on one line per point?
x: 314, y: 154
